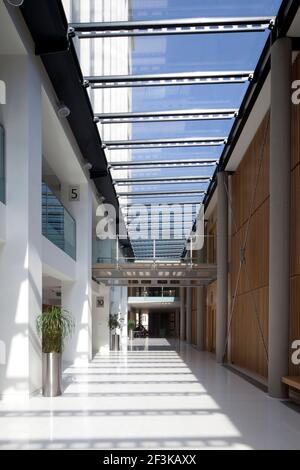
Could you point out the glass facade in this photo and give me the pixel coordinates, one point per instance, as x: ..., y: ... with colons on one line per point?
x: 2, y: 165
x: 58, y: 226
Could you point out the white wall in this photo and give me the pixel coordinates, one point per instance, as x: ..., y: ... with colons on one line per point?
x: 100, y: 318
x: 20, y: 255
x: 2, y: 222
x: 56, y: 263
x: 106, y: 57
x: 77, y: 295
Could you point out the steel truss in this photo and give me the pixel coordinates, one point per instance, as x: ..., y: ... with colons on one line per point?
x: 171, y: 27
x: 184, y: 115
x: 168, y: 79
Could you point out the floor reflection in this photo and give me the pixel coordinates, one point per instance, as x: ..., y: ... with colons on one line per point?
x: 158, y: 394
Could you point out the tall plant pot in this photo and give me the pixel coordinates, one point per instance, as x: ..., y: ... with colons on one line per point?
x: 131, y: 335
x: 115, y: 342
x: 52, y: 374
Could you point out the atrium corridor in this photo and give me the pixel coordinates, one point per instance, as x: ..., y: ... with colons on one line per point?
x: 159, y: 395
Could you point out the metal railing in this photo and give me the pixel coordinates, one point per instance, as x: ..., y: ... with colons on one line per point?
x: 198, y: 251
x: 151, y: 299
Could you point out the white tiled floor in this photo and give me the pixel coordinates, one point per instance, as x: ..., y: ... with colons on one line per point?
x: 166, y: 396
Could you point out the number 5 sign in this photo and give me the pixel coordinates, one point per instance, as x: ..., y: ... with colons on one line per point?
x: 74, y: 193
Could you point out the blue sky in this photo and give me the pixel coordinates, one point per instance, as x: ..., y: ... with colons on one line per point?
x: 196, y: 53
x: 217, y: 52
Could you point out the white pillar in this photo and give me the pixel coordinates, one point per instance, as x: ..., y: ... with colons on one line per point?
x: 280, y: 203
x: 189, y: 315
x: 20, y: 255
x: 222, y: 266
x: 77, y: 296
x: 182, y: 314
x: 201, y: 305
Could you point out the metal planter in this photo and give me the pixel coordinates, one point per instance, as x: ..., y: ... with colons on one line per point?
x: 115, y: 342
x: 52, y: 374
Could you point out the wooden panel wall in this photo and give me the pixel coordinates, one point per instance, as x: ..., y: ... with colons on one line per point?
x: 194, y: 316
x: 246, y: 345
x: 210, y: 319
x: 295, y: 225
x: 211, y: 293
x: 247, y: 349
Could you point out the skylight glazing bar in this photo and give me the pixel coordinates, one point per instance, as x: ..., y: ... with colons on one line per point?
x: 162, y: 193
x: 165, y: 143
x: 171, y: 27
x: 169, y: 79
x: 178, y: 218
x: 183, y: 223
x: 171, y: 243
x: 166, y: 180
x: 163, y: 164
x: 184, y: 115
x: 131, y: 209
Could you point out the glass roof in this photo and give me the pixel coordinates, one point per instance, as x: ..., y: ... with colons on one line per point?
x: 218, y: 99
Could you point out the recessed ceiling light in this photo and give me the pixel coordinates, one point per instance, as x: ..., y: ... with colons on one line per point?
x: 88, y: 166
x: 63, y: 111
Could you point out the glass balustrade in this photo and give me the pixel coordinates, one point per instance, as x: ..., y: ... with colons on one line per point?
x: 58, y: 226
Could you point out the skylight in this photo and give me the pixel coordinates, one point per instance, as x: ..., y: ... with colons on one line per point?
x: 190, y: 66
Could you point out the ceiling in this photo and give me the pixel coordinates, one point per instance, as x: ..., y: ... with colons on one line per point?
x: 10, y: 42
x: 188, y: 73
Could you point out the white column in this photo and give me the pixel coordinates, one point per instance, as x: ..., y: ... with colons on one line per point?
x: 189, y: 315
x: 280, y: 203
x: 182, y: 314
x: 77, y: 296
x: 20, y: 255
x: 201, y: 305
x: 222, y: 266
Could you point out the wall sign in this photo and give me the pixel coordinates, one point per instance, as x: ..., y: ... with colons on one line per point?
x: 74, y: 193
x: 100, y: 302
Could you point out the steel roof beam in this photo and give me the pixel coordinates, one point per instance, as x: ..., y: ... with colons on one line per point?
x: 168, y: 79
x: 180, y: 219
x: 178, y: 241
x: 166, y: 180
x: 163, y: 164
x: 175, y: 223
x: 162, y: 250
x: 184, y: 115
x: 194, y: 192
x: 157, y: 205
x: 171, y: 27
x: 165, y: 143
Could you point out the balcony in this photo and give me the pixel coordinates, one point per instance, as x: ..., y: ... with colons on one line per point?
x: 58, y: 226
x: 196, y: 268
x: 154, y: 302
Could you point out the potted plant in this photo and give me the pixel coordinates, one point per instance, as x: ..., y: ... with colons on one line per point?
x: 54, y: 325
x: 114, y: 325
x: 131, y: 328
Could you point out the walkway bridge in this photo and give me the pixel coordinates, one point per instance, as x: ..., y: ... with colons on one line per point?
x: 135, y: 273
